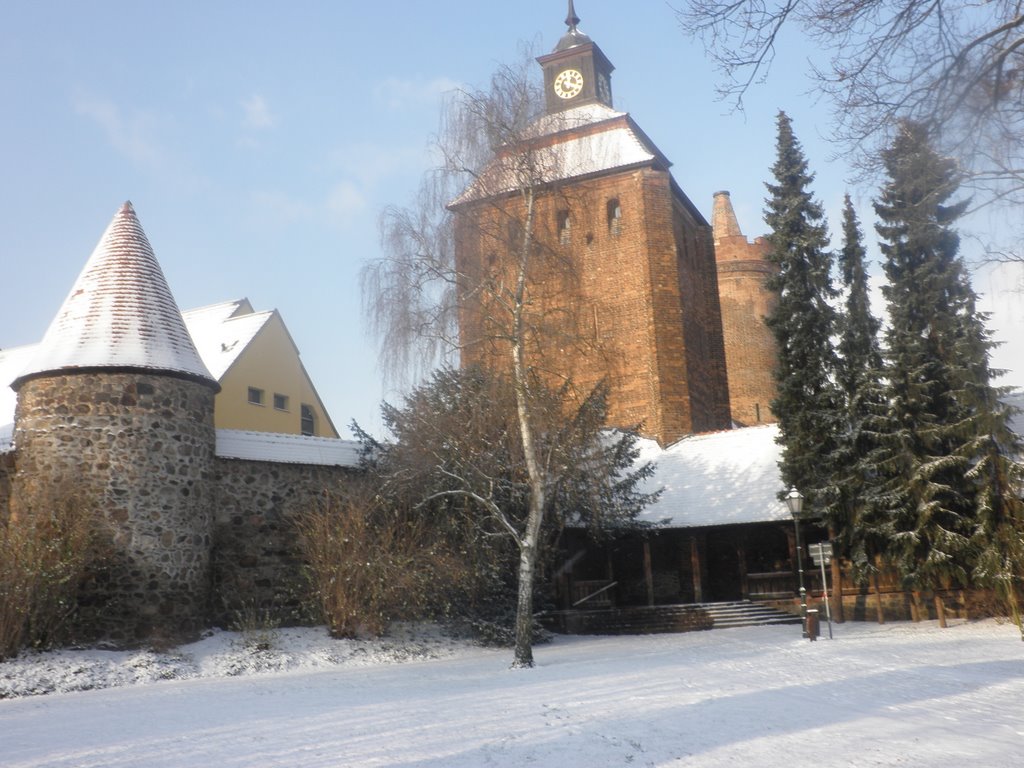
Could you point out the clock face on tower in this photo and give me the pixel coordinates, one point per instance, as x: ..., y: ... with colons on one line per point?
x: 568, y: 83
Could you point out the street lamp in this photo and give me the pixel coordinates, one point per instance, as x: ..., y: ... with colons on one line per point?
x: 795, y: 502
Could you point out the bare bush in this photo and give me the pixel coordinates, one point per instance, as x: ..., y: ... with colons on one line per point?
x: 370, y: 566
x: 44, y: 558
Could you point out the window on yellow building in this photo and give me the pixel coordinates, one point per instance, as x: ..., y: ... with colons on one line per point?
x: 280, y: 402
x: 307, y: 420
x: 255, y: 396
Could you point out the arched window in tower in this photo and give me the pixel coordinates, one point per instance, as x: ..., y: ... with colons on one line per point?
x: 614, y: 213
x: 564, y: 222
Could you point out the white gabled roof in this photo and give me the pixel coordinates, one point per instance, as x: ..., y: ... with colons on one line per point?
x: 286, y: 449
x: 222, y: 331
x: 120, y: 312
x: 12, y: 362
x: 572, y: 144
x: 718, y: 478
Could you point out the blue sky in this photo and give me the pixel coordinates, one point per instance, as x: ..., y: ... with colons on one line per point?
x: 259, y: 141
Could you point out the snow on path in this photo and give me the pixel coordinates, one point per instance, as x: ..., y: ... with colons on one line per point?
x: 898, y: 694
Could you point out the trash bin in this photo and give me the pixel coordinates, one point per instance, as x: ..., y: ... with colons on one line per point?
x: 812, y: 625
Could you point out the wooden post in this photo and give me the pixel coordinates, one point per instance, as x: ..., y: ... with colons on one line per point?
x: 741, y: 558
x: 697, y: 563
x: 648, y: 573
x: 838, y: 615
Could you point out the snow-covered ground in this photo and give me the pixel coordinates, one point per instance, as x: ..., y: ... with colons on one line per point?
x: 898, y: 694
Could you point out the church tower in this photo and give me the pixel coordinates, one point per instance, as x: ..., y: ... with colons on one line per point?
x: 644, y: 293
x: 115, y: 412
x: 750, y: 350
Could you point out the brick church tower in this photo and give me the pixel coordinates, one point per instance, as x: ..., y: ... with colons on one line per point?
x: 643, y: 293
x: 750, y: 350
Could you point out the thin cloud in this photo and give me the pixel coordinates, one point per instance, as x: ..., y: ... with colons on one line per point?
x: 399, y: 94
x: 256, y: 114
x: 345, y: 203
x: 129, y: 134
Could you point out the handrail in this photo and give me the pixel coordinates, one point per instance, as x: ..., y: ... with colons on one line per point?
x: 605, y: 588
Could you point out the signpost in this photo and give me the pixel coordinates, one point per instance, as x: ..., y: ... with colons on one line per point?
x: 822, y: 555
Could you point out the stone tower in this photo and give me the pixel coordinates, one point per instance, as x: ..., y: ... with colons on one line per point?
x: 642, y: 300
x: 115, y: 410
x: 750, y: 350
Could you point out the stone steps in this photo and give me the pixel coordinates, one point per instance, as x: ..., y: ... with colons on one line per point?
x: 642, y: 620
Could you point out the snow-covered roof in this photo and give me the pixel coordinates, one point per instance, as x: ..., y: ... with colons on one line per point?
x: 120, y: 312
x: 286, y: 449
x: 578, y: 142
x: 222, y: 331
x: 718, y: 478
x: 12, y: 362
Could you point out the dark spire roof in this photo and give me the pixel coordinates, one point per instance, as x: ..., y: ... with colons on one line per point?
x: 574, y: 36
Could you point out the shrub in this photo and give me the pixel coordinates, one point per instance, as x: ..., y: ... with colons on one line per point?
x: 369, y: 565
x: 44, y: 558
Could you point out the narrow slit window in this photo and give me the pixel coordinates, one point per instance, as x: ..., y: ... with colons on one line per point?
x: 614, y: 216
x: 564, y: 222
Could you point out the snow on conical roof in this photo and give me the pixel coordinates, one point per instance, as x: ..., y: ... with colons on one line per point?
x: 119, y: 314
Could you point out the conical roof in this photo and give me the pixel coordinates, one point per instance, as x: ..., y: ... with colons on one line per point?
x: 119, y: 314
x: 723, y: 218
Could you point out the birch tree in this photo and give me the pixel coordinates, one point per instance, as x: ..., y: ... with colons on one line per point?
x: 471, y: 272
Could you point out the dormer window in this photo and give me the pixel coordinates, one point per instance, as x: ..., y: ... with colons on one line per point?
x: 564, y: 222
x: 614, y: 213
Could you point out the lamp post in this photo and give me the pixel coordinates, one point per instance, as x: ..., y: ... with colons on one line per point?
x: 795, y: 502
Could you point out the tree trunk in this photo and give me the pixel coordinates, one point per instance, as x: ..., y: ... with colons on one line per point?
x: 915, y: 605
x: 529, y: 544
x: 523, y: 653
x: 879, y: 611
x: 940, y: 610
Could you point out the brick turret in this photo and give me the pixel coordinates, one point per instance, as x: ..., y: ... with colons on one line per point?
x: 750, y: 349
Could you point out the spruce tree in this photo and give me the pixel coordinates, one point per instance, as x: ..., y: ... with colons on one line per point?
x: 858, y: 374
x: 945, y: 494
x: 808, y: 401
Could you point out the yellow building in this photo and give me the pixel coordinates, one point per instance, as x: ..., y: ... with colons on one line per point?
x: 264, y: 386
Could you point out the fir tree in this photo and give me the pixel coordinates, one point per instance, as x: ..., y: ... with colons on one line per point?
x: 946, y: 494
x: 807, y: 405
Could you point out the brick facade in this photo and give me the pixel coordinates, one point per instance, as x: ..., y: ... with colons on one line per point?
x: 627, y: 291
x: 750, y: 349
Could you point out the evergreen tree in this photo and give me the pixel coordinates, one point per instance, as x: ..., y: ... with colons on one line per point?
x: 947, y: 491
x: 808, y: 401
x: 858, y: 375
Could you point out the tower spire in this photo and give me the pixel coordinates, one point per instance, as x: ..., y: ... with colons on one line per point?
x: 571, y: 19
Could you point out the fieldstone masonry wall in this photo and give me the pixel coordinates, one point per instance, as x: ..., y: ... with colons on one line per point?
x: 140, y: 448
x: 258, y: 570
x: 6, y: 477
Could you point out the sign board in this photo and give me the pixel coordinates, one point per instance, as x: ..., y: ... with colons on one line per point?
x: 821, y: 553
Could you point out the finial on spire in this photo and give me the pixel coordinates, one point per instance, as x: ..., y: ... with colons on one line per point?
x: 571, y: 19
